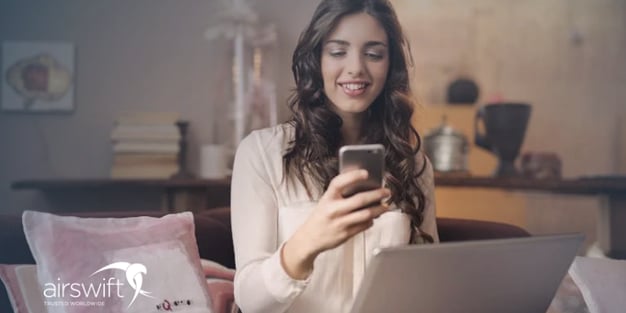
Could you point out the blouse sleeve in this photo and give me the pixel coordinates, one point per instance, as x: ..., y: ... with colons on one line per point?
x: 427, y: 183
x: 261, y: 283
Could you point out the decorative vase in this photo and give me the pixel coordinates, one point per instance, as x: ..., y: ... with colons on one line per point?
x: 505, y: 126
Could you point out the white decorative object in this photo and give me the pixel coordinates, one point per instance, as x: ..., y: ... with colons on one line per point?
x: 213, y: 162
x: 240, y: 24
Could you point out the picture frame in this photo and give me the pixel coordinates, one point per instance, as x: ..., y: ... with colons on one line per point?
x: 37, y: 77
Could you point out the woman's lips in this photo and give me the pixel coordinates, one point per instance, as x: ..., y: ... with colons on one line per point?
x: 354, y: 89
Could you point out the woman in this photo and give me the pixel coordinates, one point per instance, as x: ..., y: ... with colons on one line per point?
x: 299, y: 245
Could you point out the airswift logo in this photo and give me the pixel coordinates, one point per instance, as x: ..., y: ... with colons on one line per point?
x: 94, y: 293
x: 134, y: 276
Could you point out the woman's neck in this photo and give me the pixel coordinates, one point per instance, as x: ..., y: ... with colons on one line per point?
x: 351, y: 129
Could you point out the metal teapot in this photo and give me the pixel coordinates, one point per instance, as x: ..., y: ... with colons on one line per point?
x: 446, y: 148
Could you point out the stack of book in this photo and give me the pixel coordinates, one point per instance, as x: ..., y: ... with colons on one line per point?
x: 145, y: 145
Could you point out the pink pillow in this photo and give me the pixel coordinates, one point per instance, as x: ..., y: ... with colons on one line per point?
x: 220, y: 282
x: 22, y: 287
x: 222, y: 295
x: 26, y: 296
x: 213, y: 269
x: 117, y: 264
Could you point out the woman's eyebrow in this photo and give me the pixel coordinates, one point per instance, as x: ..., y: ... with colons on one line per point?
x: 345, y: 43
x: 375, y: 43
x: 337, y: 41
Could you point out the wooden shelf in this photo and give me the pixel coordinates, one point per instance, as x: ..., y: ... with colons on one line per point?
x: 589, y: 185
x: 74, y: 183
x: 106, y: 193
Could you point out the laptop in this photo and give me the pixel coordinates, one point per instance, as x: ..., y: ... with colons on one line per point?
x: 518, y: 275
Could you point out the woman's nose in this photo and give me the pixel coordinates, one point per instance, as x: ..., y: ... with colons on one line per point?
x: 355, y: 65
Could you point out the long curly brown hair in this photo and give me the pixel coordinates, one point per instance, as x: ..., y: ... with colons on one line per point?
x: 313, y: 151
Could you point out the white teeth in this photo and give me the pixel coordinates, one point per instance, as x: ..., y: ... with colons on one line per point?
x: 354, y: 86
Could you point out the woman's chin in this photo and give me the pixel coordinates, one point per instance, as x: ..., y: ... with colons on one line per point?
x: 351, y: 109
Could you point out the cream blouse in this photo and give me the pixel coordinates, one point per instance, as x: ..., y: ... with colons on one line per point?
x: 265, y: 212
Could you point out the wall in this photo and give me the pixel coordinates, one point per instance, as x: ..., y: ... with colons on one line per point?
x: 565, y: 57
x: 525, y: 51
x: 151, y: 55
x: 130, y: 56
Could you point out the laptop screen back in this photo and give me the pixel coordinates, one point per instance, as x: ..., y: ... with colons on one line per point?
x: 504, y: 275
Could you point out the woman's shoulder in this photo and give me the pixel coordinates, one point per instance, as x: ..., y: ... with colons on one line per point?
x: 275, y: 138
x: 275, y: 132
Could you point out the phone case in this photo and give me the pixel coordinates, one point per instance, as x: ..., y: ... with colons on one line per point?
x: 368, y: 157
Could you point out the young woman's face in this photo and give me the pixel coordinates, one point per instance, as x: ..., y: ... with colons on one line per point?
x: 355, y: 62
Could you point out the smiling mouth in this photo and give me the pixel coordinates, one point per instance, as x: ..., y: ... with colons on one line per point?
x: 353, y: 89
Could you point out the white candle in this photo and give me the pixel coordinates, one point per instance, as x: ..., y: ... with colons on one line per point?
x: 239, y: 86
x: 273, y: 106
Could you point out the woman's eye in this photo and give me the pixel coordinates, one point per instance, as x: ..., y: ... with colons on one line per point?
x: 337, y: 53
x: 373, y: 55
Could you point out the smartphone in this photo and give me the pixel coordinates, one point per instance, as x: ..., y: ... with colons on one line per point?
x: 368, y: 157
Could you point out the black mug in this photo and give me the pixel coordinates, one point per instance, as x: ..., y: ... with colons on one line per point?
x: 505, y: 126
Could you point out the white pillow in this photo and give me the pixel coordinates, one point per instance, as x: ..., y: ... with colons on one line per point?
x: 602, y: 283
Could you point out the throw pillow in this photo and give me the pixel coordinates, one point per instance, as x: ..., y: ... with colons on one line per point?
x: 117, y: 264
x: 26, y: 297
x: 22, y: 288
x: 602, y: 283
x: 220, y: 280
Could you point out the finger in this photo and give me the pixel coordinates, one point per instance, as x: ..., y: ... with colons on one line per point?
x: 363, y: 215
x: 343, y: 180
x: 362, y: 199
x: 357, y: 228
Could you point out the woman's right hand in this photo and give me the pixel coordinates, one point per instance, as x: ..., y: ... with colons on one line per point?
x: 333, y: 221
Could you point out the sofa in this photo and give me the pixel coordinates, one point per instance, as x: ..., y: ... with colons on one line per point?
x: 213, y: 235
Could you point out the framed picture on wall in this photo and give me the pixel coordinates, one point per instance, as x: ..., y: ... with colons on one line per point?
x: 37, y: 77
